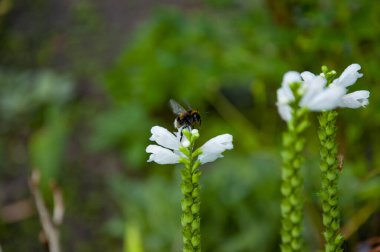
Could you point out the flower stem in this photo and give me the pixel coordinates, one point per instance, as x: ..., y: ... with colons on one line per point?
x: 292, y: 181
x: 329, y: 179
x: 190, y: 204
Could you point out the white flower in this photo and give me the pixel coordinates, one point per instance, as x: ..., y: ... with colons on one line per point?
x: 167, y: 152
x: 349, y: 76
x: 317, y: 97
x: 161, y: 155
x: 214, y: 147
x: 168, y: 149
x: 165, y: 138
x: 285, y: 95
x: 355, y: 99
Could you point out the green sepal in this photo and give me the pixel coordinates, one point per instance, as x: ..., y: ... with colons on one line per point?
x: 185, y: 151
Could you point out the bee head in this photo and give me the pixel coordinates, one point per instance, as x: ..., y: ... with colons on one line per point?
x: 196, y: 117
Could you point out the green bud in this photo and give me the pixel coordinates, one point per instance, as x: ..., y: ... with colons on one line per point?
x: 195, y: 208
x: 197, y: 152
x: 331, y: 160
x: 323, y: 167
x: 195, y: 225
x: 186, y: 187
x: 185, y: 174
x: 195, y: 241
x: 331, y: 176
x: 188, y: 248
x: 299, y: 145
x: 330, y: 145
x: 326, y: 220
x: 187, y: 134
x: 185, y: 151
x: 294, y: 200
x: 285, y: 237
x: 285, y: 208
x: 196, y: 176
x: 295, y: 218
x: 287, y: 155
x: 295, y: 181
x: 187, y: 218
x: 196, y: 192
x: 286, y: 190
x: 296, y: 232
x: 296, y: 244
x: 330, y: 130
x: 322, y: 136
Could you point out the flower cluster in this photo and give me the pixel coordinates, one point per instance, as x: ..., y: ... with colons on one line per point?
x: 317, y: 96
x: 170, y: 146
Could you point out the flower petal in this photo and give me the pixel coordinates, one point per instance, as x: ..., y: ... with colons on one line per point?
x: 349, y: 76
x: 307, y: 76
x: 327, y: 99
x: 164, y: 138
x: 214, y: 147
x: 312, y: 88
x: 355, y: 99
x: 161, y: 155
x: 291, y: 77
x: 285, y: 111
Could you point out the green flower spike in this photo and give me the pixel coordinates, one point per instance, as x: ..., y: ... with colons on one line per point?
x: 292, y: 181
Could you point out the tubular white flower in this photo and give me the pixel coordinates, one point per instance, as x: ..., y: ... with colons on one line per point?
x: 161, y: 155
x: 164, y: 138
x: 317, y: 97
x: 214, y: 147
x: 285, y: 95
x: 349, y: 76
x: 355, y: 99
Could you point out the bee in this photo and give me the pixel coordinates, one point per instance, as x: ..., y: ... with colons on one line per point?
x: 185, y: 118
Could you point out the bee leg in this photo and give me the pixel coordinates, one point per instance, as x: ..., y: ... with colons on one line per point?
x: 180, y: 138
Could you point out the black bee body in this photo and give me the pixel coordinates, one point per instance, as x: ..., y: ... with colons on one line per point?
x: 185, y: 118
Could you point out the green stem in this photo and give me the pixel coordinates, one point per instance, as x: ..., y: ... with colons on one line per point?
x: 292, y: 181
x: 190, y: 204
x: 330, y: 172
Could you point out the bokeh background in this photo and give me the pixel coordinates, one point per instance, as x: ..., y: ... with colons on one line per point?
x: 82, y: 82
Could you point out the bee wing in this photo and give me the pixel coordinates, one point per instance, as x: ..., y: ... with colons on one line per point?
x: 177, y: 109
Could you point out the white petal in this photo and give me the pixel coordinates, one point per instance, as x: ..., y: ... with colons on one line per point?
x: 284, y: 95
x: 285, y: 111
x: 161, y: 155
x: 312, y: 89
x: 214, y: 147
x: 307, y: 76
x: 349, y: 76
x: 164, y: 138
x: 327, y: 99
x: 290, y: 77
x: 355, y: 99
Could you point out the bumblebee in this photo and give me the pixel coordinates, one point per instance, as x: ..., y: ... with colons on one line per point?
x: 185, y: 118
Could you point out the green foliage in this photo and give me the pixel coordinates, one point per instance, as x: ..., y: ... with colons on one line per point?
x: 225, y: 58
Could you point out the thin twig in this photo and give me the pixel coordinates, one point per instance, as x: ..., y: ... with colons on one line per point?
x: 49, y: 225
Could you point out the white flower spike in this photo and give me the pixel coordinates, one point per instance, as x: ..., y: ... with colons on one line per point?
x: 316, y: 96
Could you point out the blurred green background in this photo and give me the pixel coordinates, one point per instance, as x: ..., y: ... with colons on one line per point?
x: 82, y: 82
